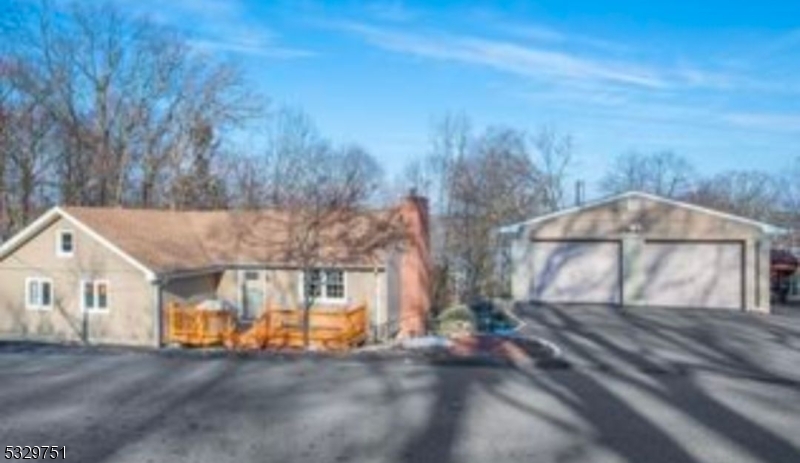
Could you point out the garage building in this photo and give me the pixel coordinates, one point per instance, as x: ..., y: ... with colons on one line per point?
x: 639, y: 249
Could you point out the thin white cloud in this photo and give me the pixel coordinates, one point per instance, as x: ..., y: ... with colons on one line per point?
x: 695, y: 77
x: 256, y: 41
x: 217, y: 26
x: 779, y: 122
x: 552, y: 59
x: 507, y: 56
x: 629, y: 109
x: 250, y: 48
x: 539, y: 33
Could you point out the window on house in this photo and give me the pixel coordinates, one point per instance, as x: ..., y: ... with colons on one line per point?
x: 94, y: 295
x: 334, y: 284
x: 325, y: 285
x: 65, y: 244
x: 39, y: 293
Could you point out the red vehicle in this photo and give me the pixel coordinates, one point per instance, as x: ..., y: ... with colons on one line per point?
x: 783, y: 264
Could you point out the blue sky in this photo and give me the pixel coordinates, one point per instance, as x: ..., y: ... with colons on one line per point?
x: 715, y: 81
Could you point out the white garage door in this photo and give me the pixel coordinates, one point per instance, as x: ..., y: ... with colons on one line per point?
x: 692, y: 274
x: 571, y: 271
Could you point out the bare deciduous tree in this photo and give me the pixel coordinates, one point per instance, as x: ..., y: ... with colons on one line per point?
x: 325, y: 189
x: 753, y: 194
x: 495, y: 184
x: 25, y: 151
x: 479, y: 183
x: 431, y: 175
x: 556, y: 158
x: 663, y: 173
x: 789, y: 187
x: 136, y: 112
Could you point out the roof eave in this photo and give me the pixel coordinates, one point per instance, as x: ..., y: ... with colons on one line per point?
x: 765, y: 228
x: 50, y: 216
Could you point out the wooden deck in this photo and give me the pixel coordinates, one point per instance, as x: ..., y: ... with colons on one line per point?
x: 190, y: 326
x: 329, y: 329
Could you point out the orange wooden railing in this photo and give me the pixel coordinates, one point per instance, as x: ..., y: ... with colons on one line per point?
x: 329, y: 329
x: 190, y: 326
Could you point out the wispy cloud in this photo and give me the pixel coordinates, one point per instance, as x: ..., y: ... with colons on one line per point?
x: 248, y: 47
x: 544, y: 34
x: 506, y: 56
x: 218, y: 26
x: 256, y: 41
x: 780, y: 122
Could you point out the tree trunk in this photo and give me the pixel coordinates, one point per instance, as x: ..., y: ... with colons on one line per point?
x: 306, y: 326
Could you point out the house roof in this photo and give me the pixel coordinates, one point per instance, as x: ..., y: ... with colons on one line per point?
x: 164, y: 242
x: 764, y: 227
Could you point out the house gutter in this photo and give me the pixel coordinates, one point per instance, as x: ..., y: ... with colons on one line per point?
x: 379, y: 316
x: 178, y: 274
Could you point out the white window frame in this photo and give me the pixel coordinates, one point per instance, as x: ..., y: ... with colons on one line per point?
x: 39, y: 306
x: 323, y: 298
x: 59, y: 241
x: 95, y: 284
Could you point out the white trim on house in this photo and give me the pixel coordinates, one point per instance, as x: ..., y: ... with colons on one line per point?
x: 323, y: 298
x: 39, y: 306
x: 34, y: 227
x: 764, y: 227
x: 37, y: 225
x: 95, y: 295
x: 60, y: 243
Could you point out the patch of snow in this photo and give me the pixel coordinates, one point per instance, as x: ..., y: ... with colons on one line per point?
x: 426, y: 342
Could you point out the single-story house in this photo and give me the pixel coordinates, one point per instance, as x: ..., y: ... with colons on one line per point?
x: 105, y: 275
x: 638, y: 249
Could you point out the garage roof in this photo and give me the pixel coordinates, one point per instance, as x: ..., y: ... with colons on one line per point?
x: 764, y: 227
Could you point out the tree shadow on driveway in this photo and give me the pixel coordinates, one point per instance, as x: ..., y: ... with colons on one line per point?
x: 630, y: 348
x: 141, y: 407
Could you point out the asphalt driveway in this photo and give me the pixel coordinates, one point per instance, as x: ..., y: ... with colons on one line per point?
x: 140, y: 407
x: 657, y: 340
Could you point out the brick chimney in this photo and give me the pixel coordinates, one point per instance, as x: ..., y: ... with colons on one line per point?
x: 415, y: 267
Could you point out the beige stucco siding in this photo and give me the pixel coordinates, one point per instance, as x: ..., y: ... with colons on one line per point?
x: 633, y: 222
x: 654, y: 219
x: 129, y: 319
x: 282, y: 289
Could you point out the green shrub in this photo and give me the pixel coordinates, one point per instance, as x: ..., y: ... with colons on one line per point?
x: 456, y: 320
